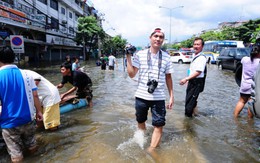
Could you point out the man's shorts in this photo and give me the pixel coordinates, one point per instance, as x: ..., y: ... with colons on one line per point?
x: 157, y: 109
x: 51, y: 116
x: 85, y: 93
x: 18, y: 138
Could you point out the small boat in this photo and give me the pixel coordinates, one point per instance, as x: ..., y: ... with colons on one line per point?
x: 70, y: 106
x: 254, y: 104
x: 71, y: 103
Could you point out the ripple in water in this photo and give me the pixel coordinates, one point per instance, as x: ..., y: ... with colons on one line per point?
x: 138, y: 139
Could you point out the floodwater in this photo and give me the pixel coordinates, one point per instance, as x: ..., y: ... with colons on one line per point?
x: 108, y: 131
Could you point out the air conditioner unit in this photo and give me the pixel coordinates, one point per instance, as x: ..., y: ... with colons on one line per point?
x: 64, y: 22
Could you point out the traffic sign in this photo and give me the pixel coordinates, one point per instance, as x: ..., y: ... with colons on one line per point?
x: 17, y: 43
x: 4, y: 34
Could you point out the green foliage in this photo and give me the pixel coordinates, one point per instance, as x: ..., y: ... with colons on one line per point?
x: 187, y: 43
x: 248, y: 33
x: 210, y: 35
x: 113, y: 45
x: 256, y: 34
x: 88, y: 31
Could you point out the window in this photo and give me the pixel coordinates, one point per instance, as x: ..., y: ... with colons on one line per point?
x: 71, y: 30
x: 62, y: 10
x: 176, y: 54
x: 54, y: 4
x: 77, y: 2
x: 70, y: 15
x: 54, y: 23
x: 43, y: 1
x: 242, y: 52
x: 232, y: 52
x: 76, y: 17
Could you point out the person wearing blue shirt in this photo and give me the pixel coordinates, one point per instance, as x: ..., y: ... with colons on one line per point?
x: 19, y: 98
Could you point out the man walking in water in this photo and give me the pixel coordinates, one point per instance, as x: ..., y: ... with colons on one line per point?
x: 196, y: 78
x: 20, y: 102
x: 111, y: 62
x: 155, y: 68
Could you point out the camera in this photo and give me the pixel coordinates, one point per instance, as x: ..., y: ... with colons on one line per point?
x: 152, y: 84
x: 130, y: 49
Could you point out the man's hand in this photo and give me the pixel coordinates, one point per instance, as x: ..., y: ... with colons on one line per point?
x: 39, y: 116
x: 62, y: 96
x: 183, y: 81
x: 171, y: 103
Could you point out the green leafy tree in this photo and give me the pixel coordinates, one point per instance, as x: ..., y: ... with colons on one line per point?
x: 88, y: 33
x: 188, y: 43
x: 248, y: 33
x: 210, y: 35
x: 228, y: 33
x: 256, y: 34
x: 113, y: 45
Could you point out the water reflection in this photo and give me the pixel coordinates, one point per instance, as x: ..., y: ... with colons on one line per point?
x: 108, y: 132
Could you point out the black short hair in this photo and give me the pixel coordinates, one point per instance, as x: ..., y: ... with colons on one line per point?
x: 255, y: 51
x: 199, y: 38
x: 75, y: 58
x: 6, y: 54
x: 67, y: 65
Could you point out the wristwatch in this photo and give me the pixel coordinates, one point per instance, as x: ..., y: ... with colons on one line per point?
x: 187, y: 78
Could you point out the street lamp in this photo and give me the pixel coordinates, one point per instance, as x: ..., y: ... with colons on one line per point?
x: 170, y: 9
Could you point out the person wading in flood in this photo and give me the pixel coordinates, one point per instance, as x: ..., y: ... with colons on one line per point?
x: 81, y: 82
x: 155, y: 68
x: 20, y: 105
x: 196, y: 78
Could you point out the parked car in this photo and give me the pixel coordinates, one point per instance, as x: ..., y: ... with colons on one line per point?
x: 230, y: 58
x: 181, y: 57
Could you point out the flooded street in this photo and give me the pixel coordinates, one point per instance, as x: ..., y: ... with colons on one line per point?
x: 108, y: 132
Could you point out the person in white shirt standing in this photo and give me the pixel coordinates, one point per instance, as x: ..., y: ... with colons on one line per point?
x: 50, y: 98
x: 111, y: 62
x: 196, y: 78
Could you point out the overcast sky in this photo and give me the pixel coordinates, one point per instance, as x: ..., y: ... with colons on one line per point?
x: 135, y: 19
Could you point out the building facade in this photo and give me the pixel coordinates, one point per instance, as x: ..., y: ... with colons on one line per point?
x: 48, y: 27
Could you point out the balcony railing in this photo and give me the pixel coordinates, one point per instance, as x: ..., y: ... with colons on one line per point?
x: 76, y: 8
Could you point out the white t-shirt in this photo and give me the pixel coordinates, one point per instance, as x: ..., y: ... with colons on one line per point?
x: 111, y: 60
x: 47, y: 92
x: 140, y: 61
x: 198, y: 64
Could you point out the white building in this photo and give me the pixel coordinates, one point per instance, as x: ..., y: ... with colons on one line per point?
x: 47, y: 26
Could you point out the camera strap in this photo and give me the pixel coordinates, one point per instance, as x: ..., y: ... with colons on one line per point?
x: 149, y: 60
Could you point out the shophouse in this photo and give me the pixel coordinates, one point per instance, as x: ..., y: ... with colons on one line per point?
x: 48, y: 27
